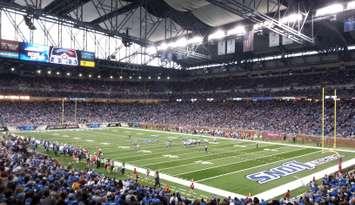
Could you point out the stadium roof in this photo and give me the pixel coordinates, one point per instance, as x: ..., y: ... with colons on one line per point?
x: 148, y: 22
x: 198, y: 15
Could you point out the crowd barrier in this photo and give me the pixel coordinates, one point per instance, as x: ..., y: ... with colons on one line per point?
x: 329, y: 140
x: 59, y: 127
x: 26, y: 127
x: 114, y: 124
x: 93, y: 125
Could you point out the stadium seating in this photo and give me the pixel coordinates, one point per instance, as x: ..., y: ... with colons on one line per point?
x: 221, y: 87
x: 290, y: 117
x: 31, y: 178
x: 215, y: 102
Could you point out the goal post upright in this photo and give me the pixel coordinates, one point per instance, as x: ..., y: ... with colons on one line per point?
x: 75, y: 110
x: 322, y: 128
x: 62, y: 113
x: 335, y: 119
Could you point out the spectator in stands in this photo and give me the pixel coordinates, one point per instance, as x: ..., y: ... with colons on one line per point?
x: 214, y: 118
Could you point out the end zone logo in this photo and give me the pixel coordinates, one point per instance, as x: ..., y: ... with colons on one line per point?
x: 288, y: 168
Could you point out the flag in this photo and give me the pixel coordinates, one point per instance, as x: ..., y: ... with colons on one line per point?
x: 248, y: 42
x: 230, y: 46
x: 274, y: 39
x: 349, y: 25
x: 221, y: 47
x: 286, y: 41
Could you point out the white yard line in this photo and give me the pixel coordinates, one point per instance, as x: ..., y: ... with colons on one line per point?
x: 265, y: 195
x: 181, y: 165
x: 184, y: 182
x: 150, y: 164
x: 242, y: 140
x: 262, y: 165
x: 274, y: 192
x: 226, y: 164
x: 163, y: 150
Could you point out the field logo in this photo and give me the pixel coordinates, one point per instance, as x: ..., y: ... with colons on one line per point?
x: 288, y: 168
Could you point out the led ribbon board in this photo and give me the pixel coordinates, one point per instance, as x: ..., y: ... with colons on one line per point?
x: 9, y: 49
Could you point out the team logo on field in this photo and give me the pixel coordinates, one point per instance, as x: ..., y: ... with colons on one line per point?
x: 288, y: 168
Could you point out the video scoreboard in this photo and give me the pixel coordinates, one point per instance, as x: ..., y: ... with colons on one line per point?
x: 46, y: 54
x: 87, y: 59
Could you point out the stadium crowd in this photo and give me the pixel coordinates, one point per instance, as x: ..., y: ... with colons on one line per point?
x: 290, y: 117
x: 297, y: 84
x: 30, y: 178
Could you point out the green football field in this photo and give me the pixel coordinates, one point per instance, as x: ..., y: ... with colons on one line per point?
x: 224, y: 166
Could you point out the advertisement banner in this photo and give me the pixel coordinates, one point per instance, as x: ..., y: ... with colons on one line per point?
x: 26, y: 127
x: 90, y: 64
x: 64, y: 56
x: 93, y: 125
x: 87, y: 59
x: 57, y: 127
x: 114, y: 124
x: 9, y: 49
x: 123, y: 124
x: 272, y: 135
x: 87, y: 55
x: 33, y: 52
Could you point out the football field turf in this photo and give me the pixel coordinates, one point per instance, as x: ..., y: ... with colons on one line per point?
x: 226, y: 165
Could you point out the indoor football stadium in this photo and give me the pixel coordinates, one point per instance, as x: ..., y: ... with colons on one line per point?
x: 177, y: 102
